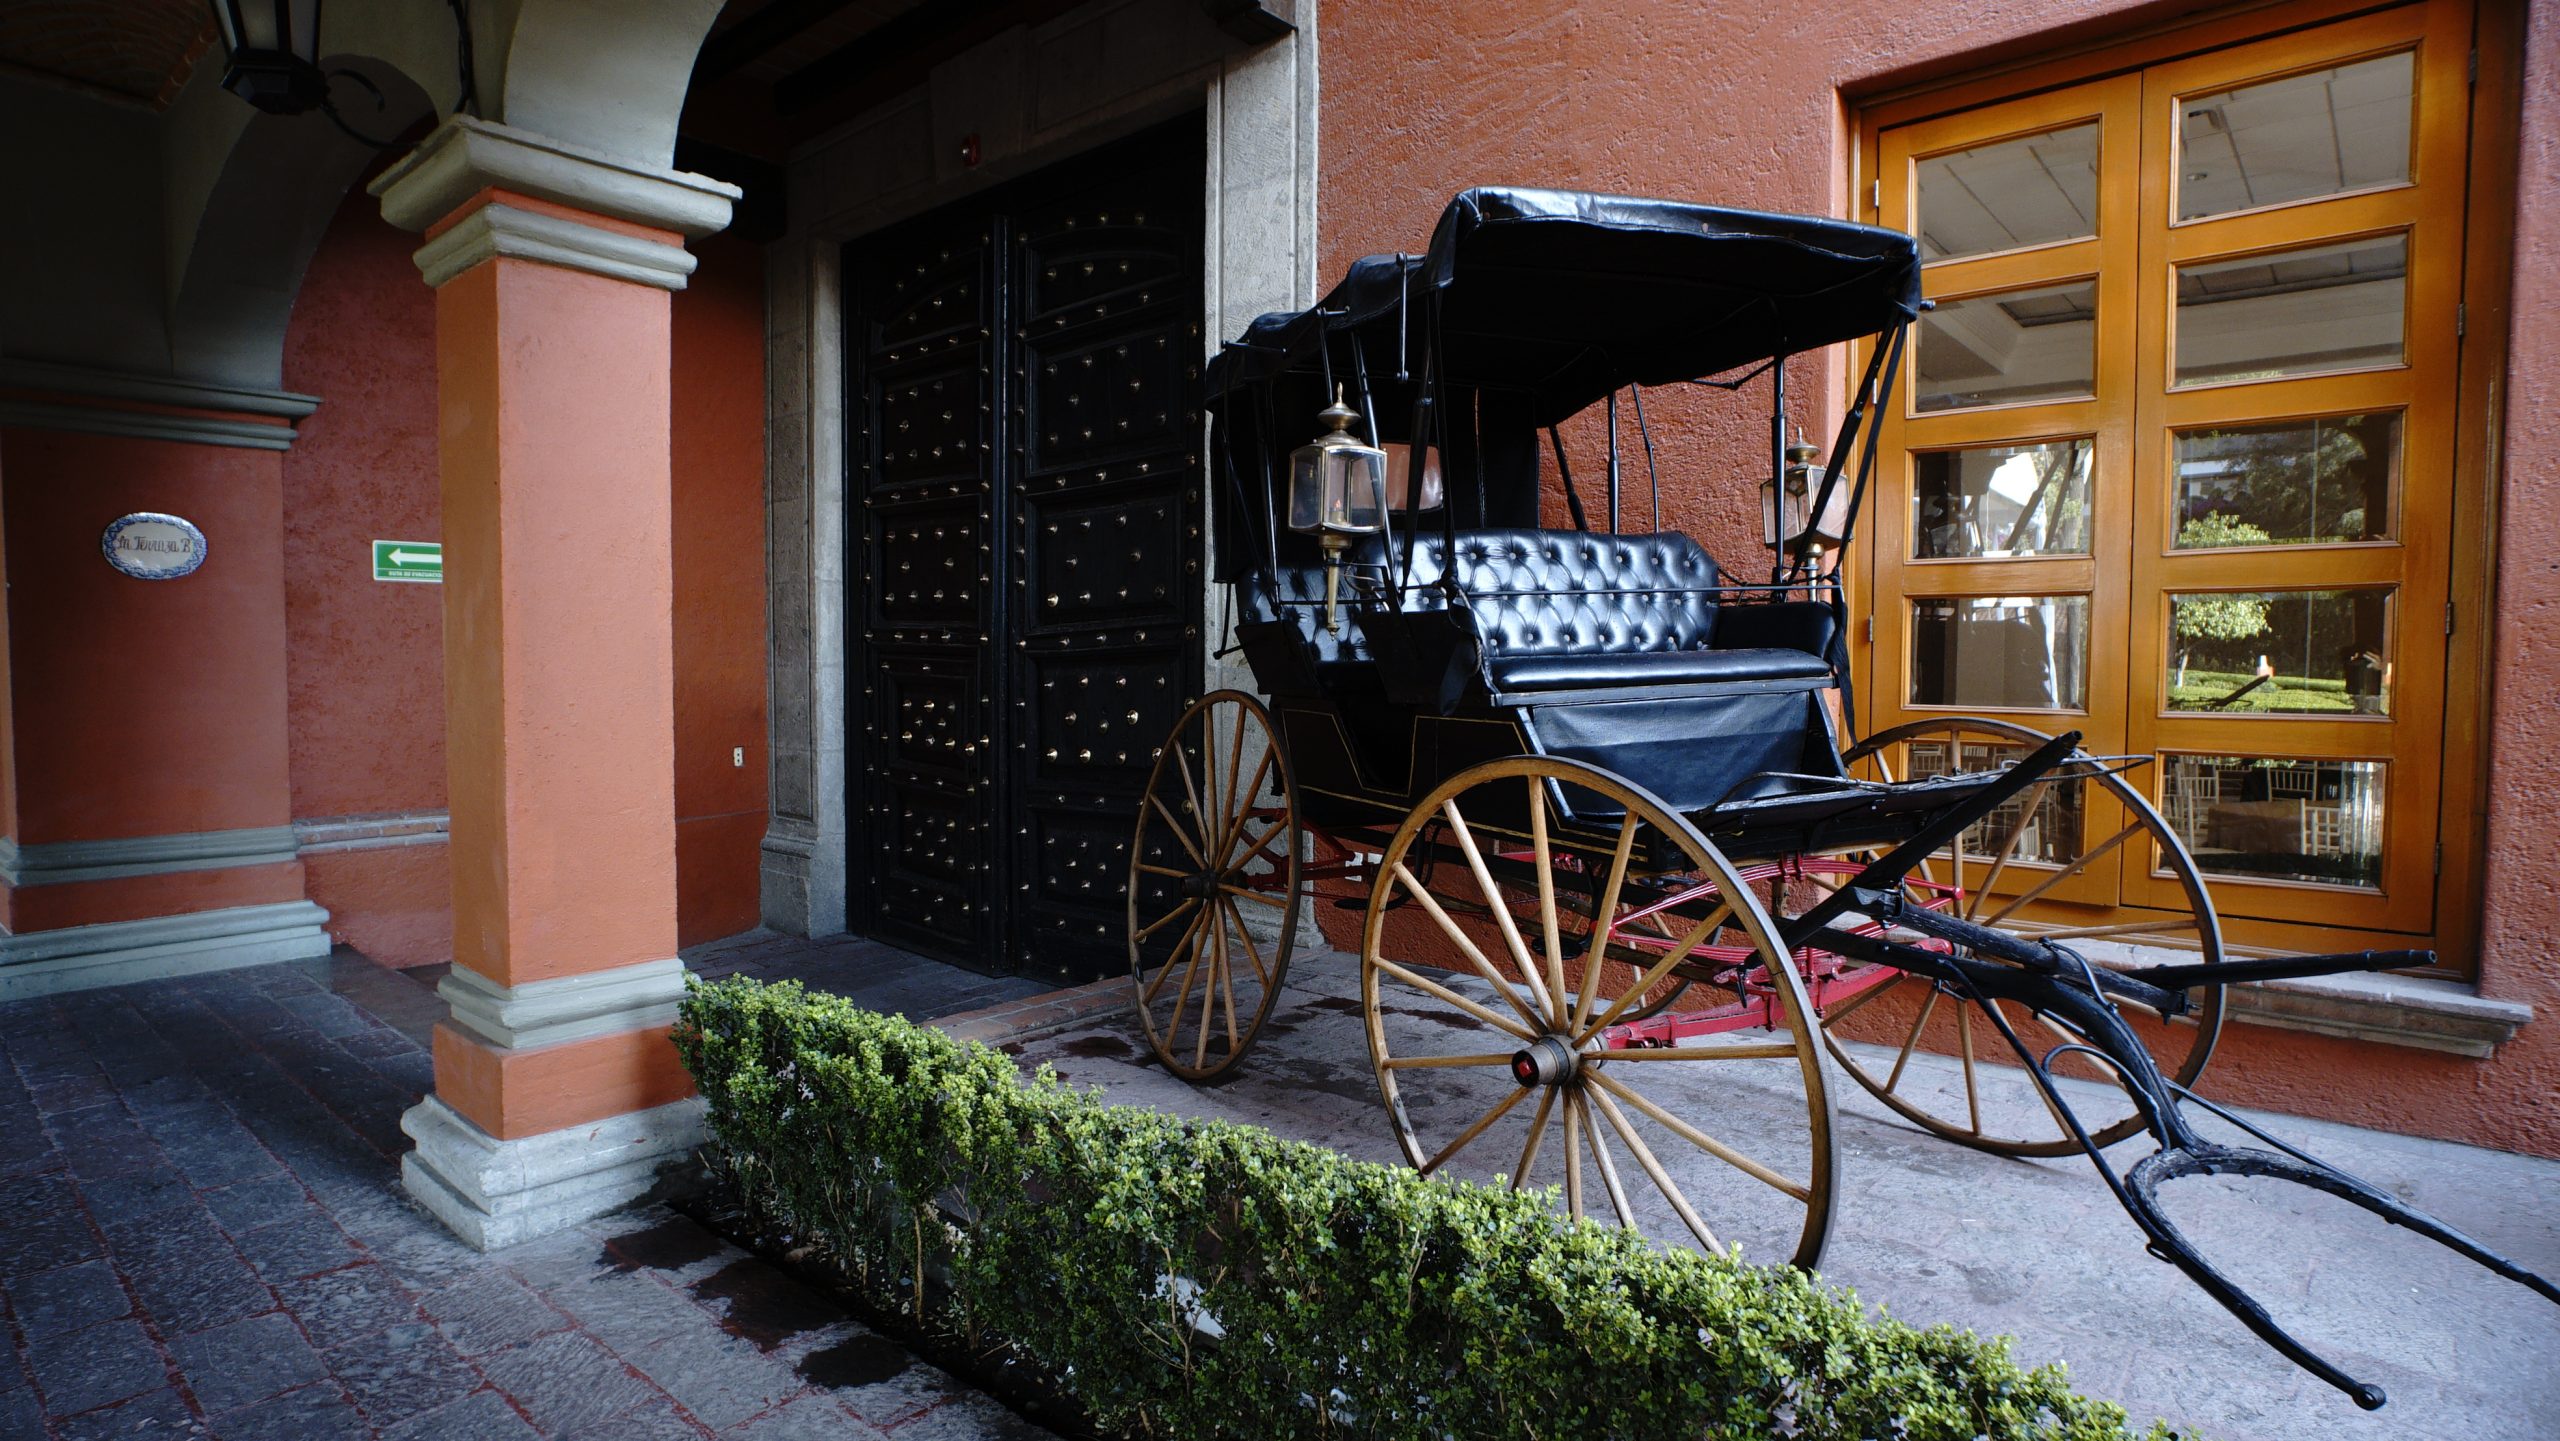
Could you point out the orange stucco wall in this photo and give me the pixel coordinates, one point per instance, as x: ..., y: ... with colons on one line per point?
x: 718, y: 444
x: 1744, y: 105
x: 143, y: 707
x: 365, y: 663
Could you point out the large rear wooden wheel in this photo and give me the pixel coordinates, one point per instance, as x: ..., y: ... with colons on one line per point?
x: 1605, y: 1005
x: 1929, y: 1053
x: 1213, y: 886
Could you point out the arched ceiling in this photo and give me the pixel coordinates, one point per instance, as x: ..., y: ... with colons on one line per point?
x: 136, y: 51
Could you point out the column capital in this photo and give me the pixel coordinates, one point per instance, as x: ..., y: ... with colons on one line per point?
x: 467, y: 155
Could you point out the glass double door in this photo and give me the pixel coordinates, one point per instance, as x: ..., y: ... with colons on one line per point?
x: 2172, y: 462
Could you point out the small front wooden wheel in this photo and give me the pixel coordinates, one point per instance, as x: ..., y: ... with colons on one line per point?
x: 1213, y: 886
x: 1603, y: 1002
x: 2018, y: 870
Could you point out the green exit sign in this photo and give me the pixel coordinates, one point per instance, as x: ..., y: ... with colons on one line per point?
x: 410, y: 560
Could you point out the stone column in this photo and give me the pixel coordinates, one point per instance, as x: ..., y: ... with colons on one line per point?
x: 558, y: 1094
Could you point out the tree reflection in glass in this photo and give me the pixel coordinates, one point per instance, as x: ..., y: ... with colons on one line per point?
x: 2323, y: 481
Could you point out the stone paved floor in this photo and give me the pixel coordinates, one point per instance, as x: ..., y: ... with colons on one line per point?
x: 202, y: 1235
x: 2040, y: 1251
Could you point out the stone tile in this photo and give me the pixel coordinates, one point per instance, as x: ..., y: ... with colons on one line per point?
x: 42, y: 1241
x: 20, y: 1414
x: 566, y: 1381
x: 325, y: 1015
x: 482, y: 1417
x: 263, y: 1201
x: 720, y: 1379
x: 657, y: 1421
x: 309, y: 1413
x: 810, y: 1418
x: 339, y: 1306
x: 136, y: 1195
x: 972, y: 1417
x: 489, y: 1311
x: 157, y: 1415
x: 304, y: 1246
x: 80, y: 1370
x: 239, y: 1365
x: 70, y: 1299
x: 405, y: 1371
x: 628, y: 1311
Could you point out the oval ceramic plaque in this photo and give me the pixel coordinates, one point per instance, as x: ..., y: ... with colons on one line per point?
x: 149, y: 545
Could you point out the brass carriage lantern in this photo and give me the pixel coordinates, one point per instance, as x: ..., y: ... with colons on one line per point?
x: 1787, y: 523
x: 1337, y: 489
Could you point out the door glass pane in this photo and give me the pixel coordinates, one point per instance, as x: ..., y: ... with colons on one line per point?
x: 2289, y: 482
x: 2001, y: 500
x: 2272, y: 819
x: 2323, y: 133
x: 2031, y: 190
x: 2052, y: 829
x: 2019, y: 345
x: 2017, y: 652
x: 2295, y: 312
x: 2288, y: 652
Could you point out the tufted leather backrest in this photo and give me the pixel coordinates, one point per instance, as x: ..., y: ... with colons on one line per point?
x: 1563, y: 592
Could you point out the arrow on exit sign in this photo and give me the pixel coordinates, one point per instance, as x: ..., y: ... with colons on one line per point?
x: 409, y: 560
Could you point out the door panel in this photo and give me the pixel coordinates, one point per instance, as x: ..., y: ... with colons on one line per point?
x: 1024, y: 412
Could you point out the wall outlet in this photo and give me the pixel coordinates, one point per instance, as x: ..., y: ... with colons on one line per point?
x: 738, y: 756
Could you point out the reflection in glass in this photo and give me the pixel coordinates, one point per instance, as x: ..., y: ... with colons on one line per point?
x: 2001, y: 500
x: 2290, y: 482
x: 2020, y: 652
x: 2031, y: 190
x: 2295, y: 312
x: 2282, y: 652
x: 2304, y: 136
x: 2052, y: 829
x: 2037, y: 344
x: 2264, y: 818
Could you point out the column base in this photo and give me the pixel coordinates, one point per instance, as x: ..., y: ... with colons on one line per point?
x: 117, y: 953
x: 495, y: 1193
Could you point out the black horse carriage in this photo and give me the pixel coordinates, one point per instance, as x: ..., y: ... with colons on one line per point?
x: 1631, y: 890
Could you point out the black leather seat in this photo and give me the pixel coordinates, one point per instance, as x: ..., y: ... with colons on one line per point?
x: 1603, y: 670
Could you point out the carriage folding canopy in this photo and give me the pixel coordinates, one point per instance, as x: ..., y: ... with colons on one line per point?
x: 1558, y: 297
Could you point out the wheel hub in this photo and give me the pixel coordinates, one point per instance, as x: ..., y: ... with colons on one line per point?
x: 1549, y: 1060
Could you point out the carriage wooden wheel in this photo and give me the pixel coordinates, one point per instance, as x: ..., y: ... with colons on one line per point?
x: 1213, y: 886
x: 2012, y: 871
x: 1548, y: 1054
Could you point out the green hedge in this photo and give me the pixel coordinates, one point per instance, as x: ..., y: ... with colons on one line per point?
x: 1351, y: 1299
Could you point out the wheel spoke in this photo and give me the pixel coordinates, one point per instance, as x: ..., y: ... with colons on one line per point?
x: 1972, y: 1091
x: 1176, y: 827
x: 1168, y: 918
x: 1573, y: 1161
x: 1849, y: 1007
x: 1608, y: 1166
x: 1242, y: 812
x: 1500, y: 1109
x: 1520, y: 958
x: 1537, y: 1133
x: 1601, y: 919
x: 1545, y: 863
x: 1927, y: 1008
x: 1227, y: 984
x: 1701, y: 1139
x: 1191, y: 792
x: 2077, y: 865
x: 1252, y: 952
x: 1687, y: 946
x: 1400, y: 1063
x: 1190, y: 942
x: 1440, y: 992
x: 1757, y: 1051
x: 1235, y: 766
x: 1209, y: 991
x: 1466, y: 946
x: 1250, y: 894
x: 1182, y: 992
x: 2033, y: 798
x: 1653, y: 1167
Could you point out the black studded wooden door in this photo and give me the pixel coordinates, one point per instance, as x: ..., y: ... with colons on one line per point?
x: 1024, y: 608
